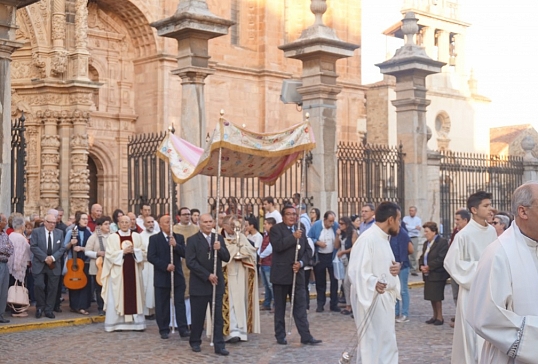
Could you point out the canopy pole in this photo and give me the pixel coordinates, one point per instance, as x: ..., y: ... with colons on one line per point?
x: 171, y: 131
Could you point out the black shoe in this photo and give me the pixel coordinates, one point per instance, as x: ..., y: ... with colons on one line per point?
x: 196, y: 348
x: 234, y: 340
x: 430, y: 321
x: 312, y: 341
x: 50, y: 315
x: 319, y: 309
x: 222, y: 352
x: 150, y: 317
x: 439, y: 322
x: 57, y: 309
x: 101, y: 313
x: 335, y: 309
x: 282, y: 341
x: 185, y: 333
x: 3, y: 320
x: 38, y: 313
x: 164, y: 336
x: 414, y: 274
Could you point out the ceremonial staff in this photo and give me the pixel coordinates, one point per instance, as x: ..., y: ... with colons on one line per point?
x: 215, y: 251
x: 171, y: 236
x: 298, y: 246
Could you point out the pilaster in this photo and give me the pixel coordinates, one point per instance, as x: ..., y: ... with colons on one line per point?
x: 79, y: 176
x: 50, y: 161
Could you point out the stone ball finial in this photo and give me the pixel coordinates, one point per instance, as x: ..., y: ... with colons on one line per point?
x: 318, y: 8
x: 528, y: 144
x: 409, y: 27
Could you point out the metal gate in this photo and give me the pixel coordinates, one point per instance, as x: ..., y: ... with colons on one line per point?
x: 18, y: 164
x: 462, y: 174
x: 369, y: 173
x: 148, y: 175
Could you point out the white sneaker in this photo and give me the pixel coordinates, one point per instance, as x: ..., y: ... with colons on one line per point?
x: 402, y: 319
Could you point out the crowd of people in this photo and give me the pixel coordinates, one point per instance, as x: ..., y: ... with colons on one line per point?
x: 134, y: 266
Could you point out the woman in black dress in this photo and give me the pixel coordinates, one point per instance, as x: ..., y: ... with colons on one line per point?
x: 433, y: 272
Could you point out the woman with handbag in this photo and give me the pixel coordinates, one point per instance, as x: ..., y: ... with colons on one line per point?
x: 346, y: 236
x: 433, y: 271
x: 17, y: 263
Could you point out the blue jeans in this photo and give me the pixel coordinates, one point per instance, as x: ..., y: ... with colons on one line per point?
x: 266, y: 273
x: 404, y: 277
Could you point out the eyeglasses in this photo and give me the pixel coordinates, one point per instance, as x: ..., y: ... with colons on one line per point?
x: 495, y: 222
x: 50, y: 222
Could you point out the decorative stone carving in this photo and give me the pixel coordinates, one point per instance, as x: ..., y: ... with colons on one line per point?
x: 81, y: 24
x: 59, y: 63
x: 50, y: 141
x: 78, y: 204
x: 45, y: 99
x: 79, y: 180
x: 528, y: 144
x: 40, y: 64
x: 58, y: 26
x: 48, y: 203
x: 81, y: 98
x: 50, y: 180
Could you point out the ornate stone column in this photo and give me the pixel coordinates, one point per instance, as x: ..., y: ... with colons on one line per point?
x: 59, y: 60
x: 8, y: 9
x: 78, y: 67
x: 79, y: 176
x: 50, y: 160
x: 192, y: 26
x: 410, y: 65
x: 319, y: 48
x: 64, y: 131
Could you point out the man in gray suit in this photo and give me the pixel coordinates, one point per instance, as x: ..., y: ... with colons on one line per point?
x: 47, y: 246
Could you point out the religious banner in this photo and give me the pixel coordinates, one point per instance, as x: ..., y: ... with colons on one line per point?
x: 244, y: 153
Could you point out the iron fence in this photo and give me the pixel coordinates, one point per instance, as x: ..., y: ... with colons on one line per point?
x: 148, y: 175
x: 18, y: 164
x: 462, y: 174
x: 369, y: 173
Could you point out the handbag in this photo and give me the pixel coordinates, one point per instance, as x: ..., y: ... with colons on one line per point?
x: 338, y: 267
x: 17, y: 298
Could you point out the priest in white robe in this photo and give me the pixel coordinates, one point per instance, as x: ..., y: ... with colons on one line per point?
x: 123, y: 289
x: 460, y: 262
x: 503, y: 302
x: 375, y: 286
x: 241, y: 311
x: 147, y: 273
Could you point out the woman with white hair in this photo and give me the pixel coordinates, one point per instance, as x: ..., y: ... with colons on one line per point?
x: 500, y: 223
x: 18, y: 261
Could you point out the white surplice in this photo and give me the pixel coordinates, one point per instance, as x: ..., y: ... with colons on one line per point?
x: 460, y: 262
x: 504, y: 292
x: 147, y: 277
x: 370, y: 261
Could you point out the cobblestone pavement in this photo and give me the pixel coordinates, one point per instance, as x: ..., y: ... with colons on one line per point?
x: 418, y: 343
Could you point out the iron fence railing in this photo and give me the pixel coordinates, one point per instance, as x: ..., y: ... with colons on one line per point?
x: 18, y: 164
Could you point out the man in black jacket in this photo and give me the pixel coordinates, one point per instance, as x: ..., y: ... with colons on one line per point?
x: 159, y: 256
x: 283, y: 239
x: 200, y: 257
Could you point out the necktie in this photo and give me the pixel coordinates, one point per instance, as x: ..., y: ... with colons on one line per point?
x: 49, y: 245
x: 208, y: 238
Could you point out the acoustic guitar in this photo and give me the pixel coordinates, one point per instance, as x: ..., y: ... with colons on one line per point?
x: 99, y: 260
x: 75, y: 277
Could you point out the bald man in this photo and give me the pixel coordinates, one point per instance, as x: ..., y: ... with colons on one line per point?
x: 95, y: 213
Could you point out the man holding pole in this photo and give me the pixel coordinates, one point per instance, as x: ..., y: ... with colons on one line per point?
x: 200, y: 260
x: 159, y: 256
x: 286, y: 239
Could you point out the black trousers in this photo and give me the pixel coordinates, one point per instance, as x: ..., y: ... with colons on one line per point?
x: 97, y: 288
x: 45, y: 300
x: 198, y: 311
x: 281, y: 292
x: 320, y: 271
x: 306, y: 284
x: 162, y: 309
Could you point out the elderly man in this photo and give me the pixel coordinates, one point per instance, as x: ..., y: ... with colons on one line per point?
x: 241, y: 312
x: 413, y: 224
x: 95, y: 213
x: 47, y: 247
x: 145, y: 211
x: 6, y: 250
x: 123, y: 288
x: 323, y: 235
x: 147, y: 273
x: 367, y: 217
x: 502, y: 301
x: 133, y: 226
x: 500, y: 223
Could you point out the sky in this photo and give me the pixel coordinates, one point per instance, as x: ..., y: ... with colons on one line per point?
x: 501, y: 48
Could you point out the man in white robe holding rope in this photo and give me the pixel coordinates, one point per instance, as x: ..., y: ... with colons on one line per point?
x: 375, y: 286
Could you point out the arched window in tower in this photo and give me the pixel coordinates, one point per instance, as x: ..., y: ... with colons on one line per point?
x: 235, y: 16
x: 442, y: 127
x: 94, y: 76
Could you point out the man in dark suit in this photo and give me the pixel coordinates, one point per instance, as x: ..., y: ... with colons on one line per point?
x: 159, y: 256
x: 47, y: 246
x: 200, y: 257
x: 283, y: 239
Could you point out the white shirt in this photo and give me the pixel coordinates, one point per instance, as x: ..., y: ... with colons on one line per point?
x: 327, y: 236
x: 411, y: 223
x: 275, y: 215
x: 257, y: 239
